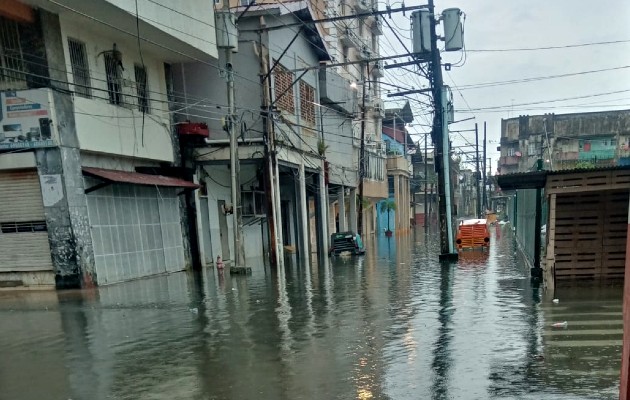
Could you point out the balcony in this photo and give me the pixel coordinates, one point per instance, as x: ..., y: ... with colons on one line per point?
x: 509, y: 160
x: 398, y: 164
x: 567, y: 156
x: 350, y: 40
x: 28, y: 120
x: 602, y: 154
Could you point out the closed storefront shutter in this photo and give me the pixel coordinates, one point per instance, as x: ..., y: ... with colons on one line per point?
x: 23, y: 234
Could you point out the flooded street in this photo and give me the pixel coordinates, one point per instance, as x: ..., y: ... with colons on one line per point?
x: 391, y: 325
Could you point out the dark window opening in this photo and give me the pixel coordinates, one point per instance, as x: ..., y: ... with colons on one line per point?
x: 22, y: 227
x: 142, y: 88
x: 113, y: 68
x: 80, y: 68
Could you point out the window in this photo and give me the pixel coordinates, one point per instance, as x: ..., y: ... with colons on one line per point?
x: 113, y: 73
x: 344, y: 54
x: 307, y: 102
x: 12, y: 66
x: 390, y: 186
x: 511, y: 152
x: 531, y: 149
x: 245, y: 3
x: 142, y: 88
x: 283, y: 89
x: 80, y: 68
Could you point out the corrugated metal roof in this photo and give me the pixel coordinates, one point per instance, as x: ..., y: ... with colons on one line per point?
x: 537, y: 179
x: 138, y: 178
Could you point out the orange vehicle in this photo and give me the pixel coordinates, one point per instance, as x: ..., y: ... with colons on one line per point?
x: 473, y: 234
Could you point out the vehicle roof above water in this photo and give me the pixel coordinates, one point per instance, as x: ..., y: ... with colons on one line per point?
x: 474, y: 221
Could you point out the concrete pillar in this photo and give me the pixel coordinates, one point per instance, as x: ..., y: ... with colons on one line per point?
x: 342, y: 209
x: 322, y: 225
x: 67, y: 218
x: 396, y: 220
x: 278, y: 216
x: 353, y: 210
x: 303, y: 222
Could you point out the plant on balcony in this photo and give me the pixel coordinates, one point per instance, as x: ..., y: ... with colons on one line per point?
x: 321, y: 147
x: 388, y: 206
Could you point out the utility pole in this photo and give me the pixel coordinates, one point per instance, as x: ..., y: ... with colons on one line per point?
x: 477, y: 174
x: 362, y: 152
x: 440, y: 133
x: 229, y: 44
x: 426, y: 185
x: 485, y: 198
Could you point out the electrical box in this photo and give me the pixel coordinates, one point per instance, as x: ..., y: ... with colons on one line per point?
x: 421, y: 33
x: 453, y: 34
x: 227, y: 32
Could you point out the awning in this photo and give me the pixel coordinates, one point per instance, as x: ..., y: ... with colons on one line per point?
x: 113, y: 176
x: 524, y: 180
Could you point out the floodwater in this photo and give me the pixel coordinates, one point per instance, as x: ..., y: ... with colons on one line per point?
x: 392, y: 325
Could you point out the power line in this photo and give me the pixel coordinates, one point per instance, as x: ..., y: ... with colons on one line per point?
x: 568, y: 46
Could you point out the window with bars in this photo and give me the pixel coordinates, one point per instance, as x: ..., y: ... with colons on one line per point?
x: 113, y: 73
x: 283, y: 82
x: 12, y: 67
x: 307, y: 103
x: 142, y: 88
x: 80, y: 68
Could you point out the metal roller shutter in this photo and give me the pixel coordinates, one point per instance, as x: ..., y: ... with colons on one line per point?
x: 23, y: 236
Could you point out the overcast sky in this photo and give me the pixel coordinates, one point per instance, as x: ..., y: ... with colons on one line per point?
x: 508, y: 24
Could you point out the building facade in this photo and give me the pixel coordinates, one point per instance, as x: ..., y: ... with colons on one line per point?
x: 565, y: 141
x: 86, y: 122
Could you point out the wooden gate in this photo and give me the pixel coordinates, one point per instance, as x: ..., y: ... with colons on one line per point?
x: 588, y: 234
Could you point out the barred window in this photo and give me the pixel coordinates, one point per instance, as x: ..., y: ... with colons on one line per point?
x: 142, y: 88
x: 80, y: 68
x: 113, y: 68
x: 283, y: 81
x: 307, y: 103
x: 12, y: 68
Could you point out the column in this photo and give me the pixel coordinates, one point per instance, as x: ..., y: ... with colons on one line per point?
x: 322, y: 227
x: 66, y: 217
x: 342, y: 209
x: 277, y: 212
x: 303, y: 222
x: 353, y: 210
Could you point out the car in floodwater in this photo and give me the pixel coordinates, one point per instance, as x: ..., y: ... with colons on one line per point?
x: 473, y: 234
x: 346, y: 243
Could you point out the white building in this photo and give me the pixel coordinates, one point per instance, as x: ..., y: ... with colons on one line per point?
x: 86, y: 129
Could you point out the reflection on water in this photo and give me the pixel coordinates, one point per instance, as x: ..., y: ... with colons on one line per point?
x: 394, y: 324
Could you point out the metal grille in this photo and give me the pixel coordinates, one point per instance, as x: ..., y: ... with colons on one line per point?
x: 80, y: 68
x: 21, y: 227
x: 12, y: 68
x: 113, y: 67
x: 142, y: 88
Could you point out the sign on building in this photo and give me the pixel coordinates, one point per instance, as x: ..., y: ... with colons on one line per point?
x: 25, y: 120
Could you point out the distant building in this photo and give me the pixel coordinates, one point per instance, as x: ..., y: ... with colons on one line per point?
x: 565, y: 141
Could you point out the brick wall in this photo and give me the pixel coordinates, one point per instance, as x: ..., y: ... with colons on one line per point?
x: 282, y: 81
x: 307, y: 103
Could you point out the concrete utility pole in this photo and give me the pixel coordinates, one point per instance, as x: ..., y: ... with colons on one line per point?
x: 362, y: 152
x: 237, y: 266
x: 478, y: 173
x: 440, y: 130
x: 426, y: 185
x: 485, y: 197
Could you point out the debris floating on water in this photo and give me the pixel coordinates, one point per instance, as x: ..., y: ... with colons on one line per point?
x: 560, y: 325
x: 194, y: 310
x: 555, y: 301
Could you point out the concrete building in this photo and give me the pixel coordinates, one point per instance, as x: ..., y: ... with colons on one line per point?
x: 84, y: 108
x: 399, y: 145
x: 565, y: 141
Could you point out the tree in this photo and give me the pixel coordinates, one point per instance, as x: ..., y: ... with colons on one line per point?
x: 388, y: 206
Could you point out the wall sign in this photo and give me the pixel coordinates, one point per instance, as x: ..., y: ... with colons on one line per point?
x: 25, y: 120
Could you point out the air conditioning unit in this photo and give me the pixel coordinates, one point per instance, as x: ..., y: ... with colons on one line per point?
x: 362, y: 6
